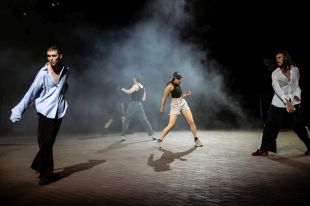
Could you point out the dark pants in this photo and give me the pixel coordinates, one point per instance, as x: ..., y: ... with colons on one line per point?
x: 47, y: 132
x: 135, y: 108
x: 276, y: 119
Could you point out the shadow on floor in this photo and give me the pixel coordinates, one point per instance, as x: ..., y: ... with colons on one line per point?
x: 67, y: 171
x: 163, y: 163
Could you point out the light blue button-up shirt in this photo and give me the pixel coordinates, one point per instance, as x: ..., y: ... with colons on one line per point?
x: 48, y: 95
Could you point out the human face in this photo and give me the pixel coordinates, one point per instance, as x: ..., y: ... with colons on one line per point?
x: 177, y: 80
x: 280, y: 58
x: 53, y: 57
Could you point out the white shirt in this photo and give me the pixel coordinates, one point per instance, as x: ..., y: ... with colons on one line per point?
x: 285, y: 89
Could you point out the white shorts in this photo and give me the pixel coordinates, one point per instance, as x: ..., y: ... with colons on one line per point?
x: 177, y: 105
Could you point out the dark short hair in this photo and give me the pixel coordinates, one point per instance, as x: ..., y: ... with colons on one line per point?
x: 54, y: 47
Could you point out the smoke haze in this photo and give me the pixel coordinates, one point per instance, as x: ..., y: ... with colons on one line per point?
x: 153, y: 47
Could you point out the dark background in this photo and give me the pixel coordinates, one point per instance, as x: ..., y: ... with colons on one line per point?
x: 238, y: 35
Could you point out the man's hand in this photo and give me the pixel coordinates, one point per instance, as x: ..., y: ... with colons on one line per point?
x: 290, y: 107
x: 14, y: 119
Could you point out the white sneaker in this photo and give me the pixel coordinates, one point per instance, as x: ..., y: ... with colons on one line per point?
x: 123, y: 138
x: 108, y: 123
x: 158, y: 143
x: 198, y: 143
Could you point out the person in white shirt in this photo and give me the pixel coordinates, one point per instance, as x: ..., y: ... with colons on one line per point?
x: 285, y: 106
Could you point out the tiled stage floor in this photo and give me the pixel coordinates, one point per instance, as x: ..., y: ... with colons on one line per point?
x: 99, y: 170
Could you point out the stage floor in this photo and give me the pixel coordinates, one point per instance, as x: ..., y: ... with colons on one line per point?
x: 100, y: 170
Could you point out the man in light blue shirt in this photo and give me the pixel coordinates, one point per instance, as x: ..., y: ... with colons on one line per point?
x: 48, y: 93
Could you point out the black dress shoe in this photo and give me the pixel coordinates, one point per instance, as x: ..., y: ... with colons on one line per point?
x: 55, y: 177
x: 44, y: 181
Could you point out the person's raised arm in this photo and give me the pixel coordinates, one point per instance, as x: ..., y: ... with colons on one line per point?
x: 134, y: 88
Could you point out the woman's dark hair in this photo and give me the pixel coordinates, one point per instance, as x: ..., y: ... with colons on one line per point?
x: 271, y: 64
x: 287, y: 58
x: 175, y: 75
